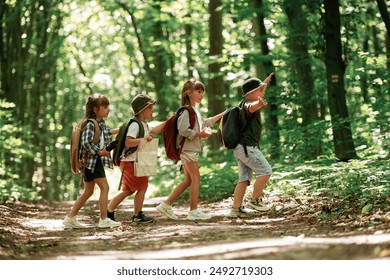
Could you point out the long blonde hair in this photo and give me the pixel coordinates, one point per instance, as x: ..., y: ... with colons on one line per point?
x: 191, y: 85
x: 94, y: 101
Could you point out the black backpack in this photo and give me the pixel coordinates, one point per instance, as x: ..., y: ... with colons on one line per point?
x: 231, y: 125
x: 121, y: 137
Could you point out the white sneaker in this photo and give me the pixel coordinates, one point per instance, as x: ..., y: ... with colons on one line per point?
x: 197, y: 214
x: 107, y: 222
x: 167, y: 211
x: 72, y: 223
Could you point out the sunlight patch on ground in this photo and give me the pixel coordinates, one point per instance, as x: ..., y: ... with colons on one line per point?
x: 44, y: 224
x: 259, y: 247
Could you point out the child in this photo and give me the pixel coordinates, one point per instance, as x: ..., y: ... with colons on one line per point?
x: 192, y: 94
x: 97, y: 107
x: 248, y: 154
x: 142, y: 106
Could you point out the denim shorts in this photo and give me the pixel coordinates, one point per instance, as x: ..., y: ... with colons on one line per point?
x: 255, y: 162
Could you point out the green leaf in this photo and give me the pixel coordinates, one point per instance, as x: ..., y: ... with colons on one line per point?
x: 367, y: 209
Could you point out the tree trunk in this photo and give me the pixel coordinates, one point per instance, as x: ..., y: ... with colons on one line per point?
x: 157, y: 74
x: 335, y: 68
x: 215, y: 83
x: 263, y: 69
x: 384, y: 13
x: 301, y: 63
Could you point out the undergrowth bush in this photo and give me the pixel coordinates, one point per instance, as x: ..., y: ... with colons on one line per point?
x: 365, y: 181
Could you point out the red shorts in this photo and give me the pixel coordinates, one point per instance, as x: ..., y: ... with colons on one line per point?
x: 129, y: 181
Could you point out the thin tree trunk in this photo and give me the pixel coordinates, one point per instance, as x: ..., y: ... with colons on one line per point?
x: 384, y: 13
x: 263, y: 69
x: 301, y: 63
x: 335, y: 68
x: 215, y: 83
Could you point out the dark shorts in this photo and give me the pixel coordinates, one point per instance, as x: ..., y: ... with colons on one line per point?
x: 98, y: 173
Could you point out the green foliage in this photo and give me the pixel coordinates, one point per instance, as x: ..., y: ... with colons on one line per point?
x: 365, y: 182
x: 12, y: 151
x: 94, y: 46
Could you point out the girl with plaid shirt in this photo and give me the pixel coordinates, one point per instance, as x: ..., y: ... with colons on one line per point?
x: 97, y: 107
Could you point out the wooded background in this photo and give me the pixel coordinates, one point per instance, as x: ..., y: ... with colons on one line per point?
x: 329, y: 97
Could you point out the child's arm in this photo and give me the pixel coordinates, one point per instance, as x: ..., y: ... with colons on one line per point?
x: 261, y: 102
x: 256, y: 105
x: 217, y: 117
x: 156, y: 130
x: 115, y: 131
x: 268, y: 79
x: 133, y: 142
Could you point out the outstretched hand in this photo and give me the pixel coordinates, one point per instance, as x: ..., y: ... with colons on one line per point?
x: 268, y: 79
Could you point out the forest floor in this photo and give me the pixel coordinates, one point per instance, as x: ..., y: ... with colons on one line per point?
x: 307, y: 230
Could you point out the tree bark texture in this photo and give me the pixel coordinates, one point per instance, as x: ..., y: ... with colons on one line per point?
x: 215, y: 87
x: 335, y: 68
x: 264, y: 69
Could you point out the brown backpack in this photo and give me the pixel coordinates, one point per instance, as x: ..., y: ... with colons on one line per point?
x: 75, y: 163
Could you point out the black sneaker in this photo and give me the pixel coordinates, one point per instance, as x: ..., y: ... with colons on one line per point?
x: 111, y: 215
x: 141, y: 218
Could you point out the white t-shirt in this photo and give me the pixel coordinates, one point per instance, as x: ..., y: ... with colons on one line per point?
x: 133, y: 132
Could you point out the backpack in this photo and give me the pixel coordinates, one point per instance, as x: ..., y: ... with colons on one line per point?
x: 170, y: 133
x: 231, y: 125
x: 75, y: 163
x: 121, y: 138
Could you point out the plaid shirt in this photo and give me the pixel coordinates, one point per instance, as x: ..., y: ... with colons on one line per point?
x: 92, y: 149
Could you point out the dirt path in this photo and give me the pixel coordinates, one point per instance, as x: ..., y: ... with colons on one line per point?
x: 291, y: 231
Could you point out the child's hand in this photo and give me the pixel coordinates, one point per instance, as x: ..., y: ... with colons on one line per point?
x: 268, y: 79
x: 205, y: 133
x: 148, y: 137
x: 262, y: 102
x: 103, y: 152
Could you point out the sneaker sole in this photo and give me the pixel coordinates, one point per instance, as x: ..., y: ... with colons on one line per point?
x: 261, y: 210
x: 73, y: 227
x: 197, y: 219
x: 109, y: 226
x: 166, y: 215
x: 143, y: 222
x: 241, y: 217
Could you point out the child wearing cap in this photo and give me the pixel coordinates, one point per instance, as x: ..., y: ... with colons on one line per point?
x: 142, y: 106
x: 249, y: 157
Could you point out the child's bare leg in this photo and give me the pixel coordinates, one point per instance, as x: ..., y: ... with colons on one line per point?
x: 239, y: 193
x: 88, y: 191
x: 139, y: 201
x: 179, y: 189
x: 259, y: 186
x: 193, y: 172
x: 118, y: 199
x: 103, y: 198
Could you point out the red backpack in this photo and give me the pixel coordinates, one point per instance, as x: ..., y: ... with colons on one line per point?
x: 170, y: 133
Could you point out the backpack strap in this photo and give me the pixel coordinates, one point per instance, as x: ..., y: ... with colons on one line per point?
x: 244, y: 123
x: 192, y: 115
x: 95, y: 140
x: 96, y: 136
x: 141, y: 134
